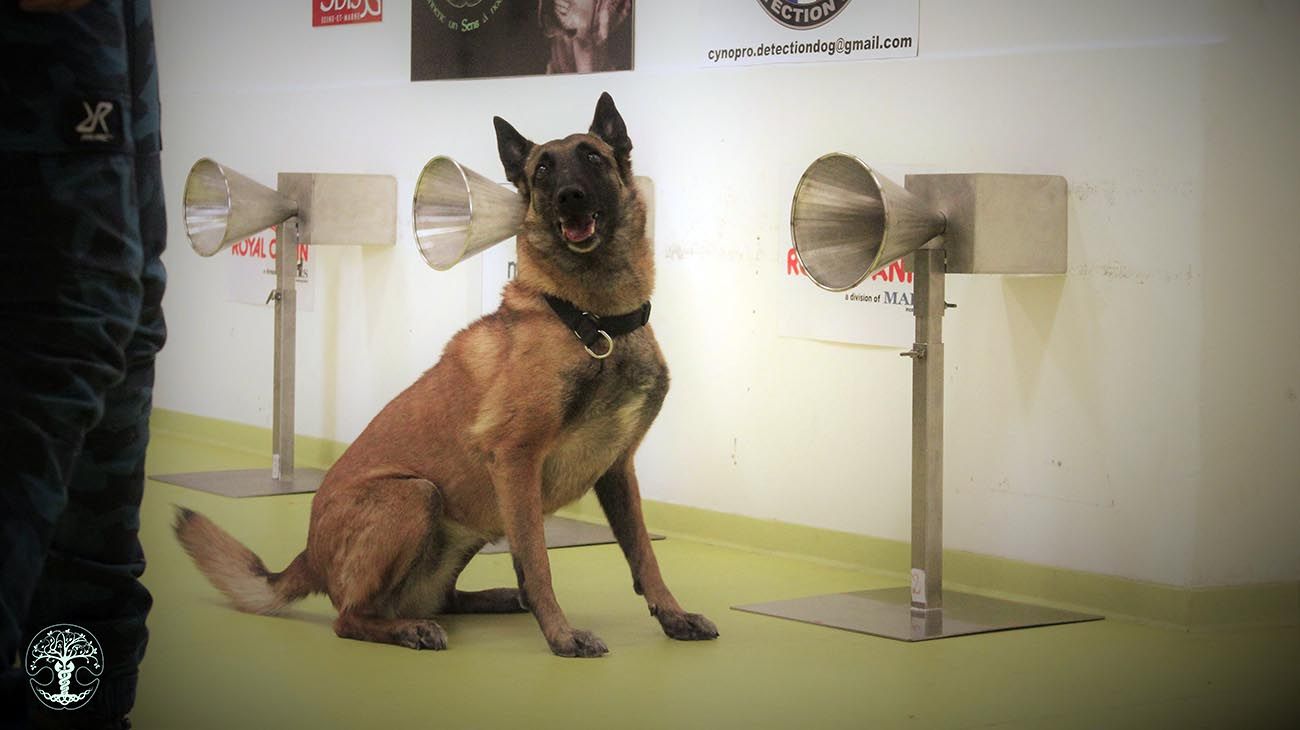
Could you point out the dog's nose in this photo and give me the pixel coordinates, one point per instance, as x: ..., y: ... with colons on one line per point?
x: 570, y: 195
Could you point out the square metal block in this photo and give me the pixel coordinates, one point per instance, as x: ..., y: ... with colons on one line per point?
x: 999, y: 223
x: 343, y: 210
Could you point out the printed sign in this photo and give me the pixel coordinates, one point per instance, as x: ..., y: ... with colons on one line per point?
x: 346, y: 12
x: 876, y: 312
x: 498, y: 270
x: 250, y: 271
x: 459, y: 39
x: 750, y: 32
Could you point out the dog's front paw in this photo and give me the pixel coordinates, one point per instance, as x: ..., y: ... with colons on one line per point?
x: 579, y: 643
x: 687, y: 626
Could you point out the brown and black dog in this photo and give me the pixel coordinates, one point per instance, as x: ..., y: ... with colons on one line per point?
x: 519, y: 418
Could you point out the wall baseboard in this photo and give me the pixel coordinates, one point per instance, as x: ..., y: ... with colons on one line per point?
x: 1192, y: 608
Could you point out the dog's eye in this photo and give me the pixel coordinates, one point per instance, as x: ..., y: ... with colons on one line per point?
x: 541, y: 172
x: 594, y: 158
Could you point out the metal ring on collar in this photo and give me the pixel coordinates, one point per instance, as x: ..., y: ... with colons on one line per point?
x: 609, y: 350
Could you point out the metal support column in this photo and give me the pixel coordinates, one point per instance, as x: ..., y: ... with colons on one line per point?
x: 927, y: 431
x: 282, y: 478
x: 286, y: 330
x: 921, y: 612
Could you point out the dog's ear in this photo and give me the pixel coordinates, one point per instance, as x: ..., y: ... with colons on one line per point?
x: 514, y: 149
x: 608, y: 125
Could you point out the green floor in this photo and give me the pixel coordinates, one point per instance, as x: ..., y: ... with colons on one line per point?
x: 209, y: 666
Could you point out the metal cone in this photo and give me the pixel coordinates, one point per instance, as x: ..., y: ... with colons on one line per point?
x: 848, y: 221
x: 222, y: 206
x: 459, y: 213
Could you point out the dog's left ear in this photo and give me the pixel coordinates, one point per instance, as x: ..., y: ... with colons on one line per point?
x: 608, y: 125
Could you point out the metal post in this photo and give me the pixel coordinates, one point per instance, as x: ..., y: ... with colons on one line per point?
x: 922, y: 612
x: 927, y: 432
x: 286, y: 307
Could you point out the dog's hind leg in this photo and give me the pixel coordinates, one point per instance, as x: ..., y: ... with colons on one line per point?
x: 492, y: 600
x: 373, y: 537
x: 413, y: 633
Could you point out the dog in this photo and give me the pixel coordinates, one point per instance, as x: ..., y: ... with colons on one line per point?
x: 528, y: 409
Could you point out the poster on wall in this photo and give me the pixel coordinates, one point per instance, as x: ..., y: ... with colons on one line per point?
x: 345, y: 12
x: 250, y: 271
x: 466, y: 39
x: 751, y: 32
x: 876, y: 312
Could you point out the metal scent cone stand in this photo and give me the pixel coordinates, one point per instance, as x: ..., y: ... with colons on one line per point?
x: 848, y: 221
x: 221, y: 207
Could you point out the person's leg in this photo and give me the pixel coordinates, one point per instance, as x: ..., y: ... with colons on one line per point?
x: 70, y: 302
x: 94, y: 564
x: 80, y: 99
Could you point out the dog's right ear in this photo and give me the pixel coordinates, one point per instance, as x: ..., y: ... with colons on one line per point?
x: 514, y: 149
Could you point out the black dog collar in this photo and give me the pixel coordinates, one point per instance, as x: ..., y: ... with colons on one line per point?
x: 590, y: 328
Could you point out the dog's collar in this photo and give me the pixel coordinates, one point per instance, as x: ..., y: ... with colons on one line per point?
x: 591, y: 328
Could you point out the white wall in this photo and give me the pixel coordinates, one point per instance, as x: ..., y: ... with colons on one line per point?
x: 1137, y: 417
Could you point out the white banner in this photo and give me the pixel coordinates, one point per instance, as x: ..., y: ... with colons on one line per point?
x: 498, y: 268
x: 749, y: 32
x: 250, y: 271
x: 876, y: 312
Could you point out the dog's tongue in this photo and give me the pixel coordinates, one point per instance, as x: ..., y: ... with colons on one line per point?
x: 579, y: 229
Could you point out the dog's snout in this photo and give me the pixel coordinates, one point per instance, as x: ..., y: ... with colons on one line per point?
x: 570, y: 195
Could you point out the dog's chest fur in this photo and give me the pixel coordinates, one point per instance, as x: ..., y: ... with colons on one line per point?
x: 608, y: 407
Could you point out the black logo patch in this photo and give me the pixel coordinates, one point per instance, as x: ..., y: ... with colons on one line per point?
x: 94, y: 123
x: 803, y: 14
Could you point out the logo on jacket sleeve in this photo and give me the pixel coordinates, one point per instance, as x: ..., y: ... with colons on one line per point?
x: 94, y: 123
x: 94, y: 128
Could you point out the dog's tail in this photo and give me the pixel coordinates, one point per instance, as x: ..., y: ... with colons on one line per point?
x: 239, y: 573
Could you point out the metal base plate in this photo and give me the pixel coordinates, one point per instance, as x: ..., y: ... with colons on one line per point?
x: 246, y: 482
x: 563, y: 532
x: 887, y: 612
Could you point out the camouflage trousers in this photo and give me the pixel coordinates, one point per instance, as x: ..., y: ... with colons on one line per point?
x: 81, y: 285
